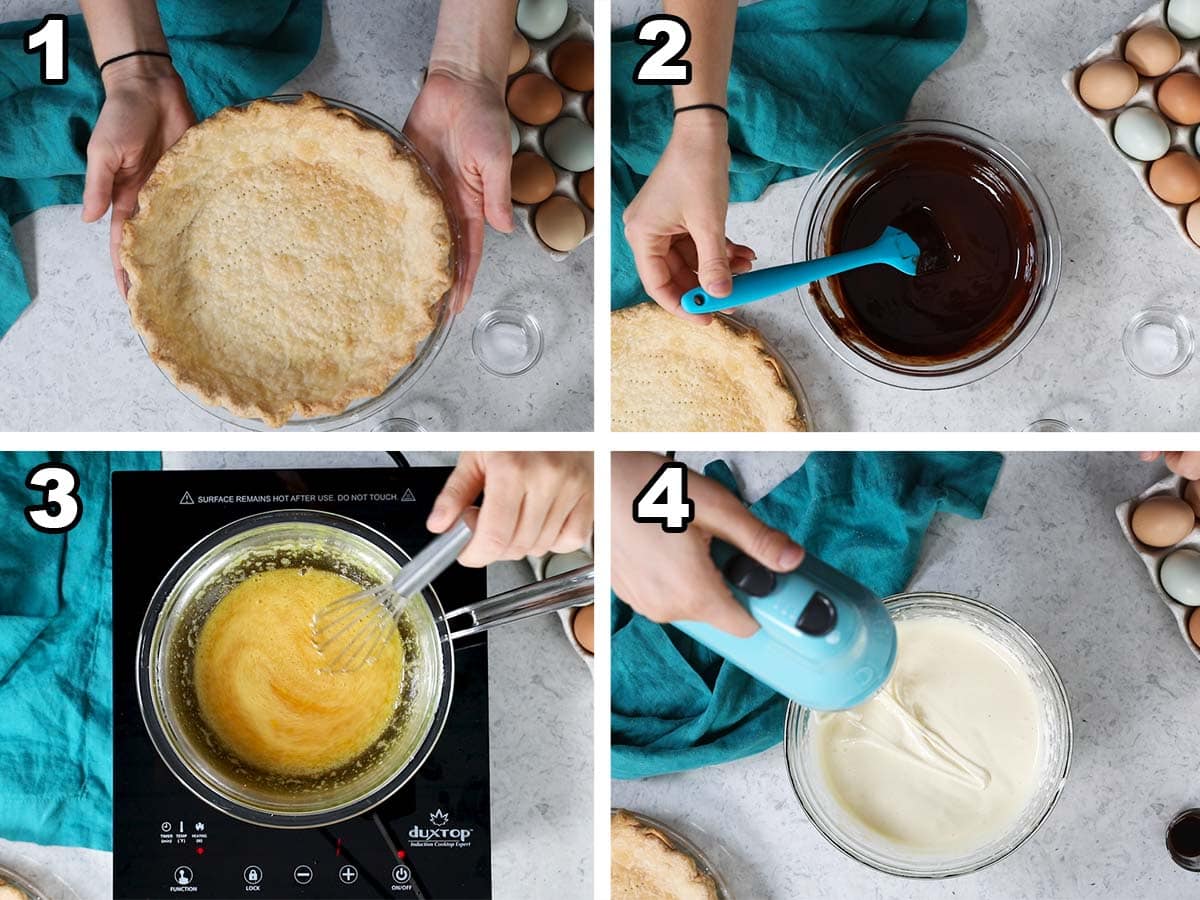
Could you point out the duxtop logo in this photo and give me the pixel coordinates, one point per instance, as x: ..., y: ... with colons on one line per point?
x: 440, y: 834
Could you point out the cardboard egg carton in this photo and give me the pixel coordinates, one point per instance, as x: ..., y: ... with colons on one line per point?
x: 1171, y: 486
x: 1182, y: 136
x: 532, y: 137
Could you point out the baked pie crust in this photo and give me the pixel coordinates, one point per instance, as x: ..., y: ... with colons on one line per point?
x: 646, y: 864
x: 672, y: 375
x: 286, y: 258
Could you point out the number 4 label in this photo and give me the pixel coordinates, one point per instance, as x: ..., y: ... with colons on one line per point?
x: 50, y: 37
x: 61, y: 507
x: 664, y: 500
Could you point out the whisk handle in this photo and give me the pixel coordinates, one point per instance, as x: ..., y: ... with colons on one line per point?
x: 574, y: 588
x: 434, y: 558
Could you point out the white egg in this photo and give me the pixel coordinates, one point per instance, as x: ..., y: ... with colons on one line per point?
x: 538, y: 19
x: 1180, y: 576
x: 514, y: 134
x: 570, y: 144
x: 1183, y: 17
x: 1142, y: 134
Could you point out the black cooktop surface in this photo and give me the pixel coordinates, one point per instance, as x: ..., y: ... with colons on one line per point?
x: 430, y: 839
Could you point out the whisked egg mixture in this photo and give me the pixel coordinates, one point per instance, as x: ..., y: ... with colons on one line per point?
x: 264, y: 689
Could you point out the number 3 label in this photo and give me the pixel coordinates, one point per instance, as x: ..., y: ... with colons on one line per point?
x: 664, y: 500
x: 663, y: 65
x: 61, y: 507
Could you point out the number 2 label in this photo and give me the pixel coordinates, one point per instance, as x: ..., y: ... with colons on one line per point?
x: 663, y: 65
x: 50, y: 39
x: 61, y: 507
x: 664, y: 500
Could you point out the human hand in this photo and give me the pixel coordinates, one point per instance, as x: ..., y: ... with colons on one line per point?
x: 459, y: 124
x: 668, y: 577
x: 533, y: 504
x: 146, y: 110
x: 676, y: 224
x: 1184, y: 464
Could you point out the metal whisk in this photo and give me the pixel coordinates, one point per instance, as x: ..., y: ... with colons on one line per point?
x: 349, y: 631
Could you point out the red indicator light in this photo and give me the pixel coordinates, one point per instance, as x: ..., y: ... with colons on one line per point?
x: 338, y: 852
x: 400, y: 854
x: 199, y: 851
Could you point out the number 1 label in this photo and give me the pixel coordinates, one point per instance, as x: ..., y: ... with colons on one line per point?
x: 50, y: 39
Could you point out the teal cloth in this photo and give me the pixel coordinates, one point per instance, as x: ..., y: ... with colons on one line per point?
x: 808, y: 76
x: 56, y: 658
x: 676, y: 705
x: 227, y: 51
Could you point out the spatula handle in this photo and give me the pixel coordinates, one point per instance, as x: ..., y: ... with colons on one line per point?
x: 777, y: 279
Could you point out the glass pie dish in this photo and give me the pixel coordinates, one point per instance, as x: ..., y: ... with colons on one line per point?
x: 365, y: 408
x: 843, y: 176
x: 790, y: 378
x: 840, y: 828
x: 34, y: 880
x: 686, y: 846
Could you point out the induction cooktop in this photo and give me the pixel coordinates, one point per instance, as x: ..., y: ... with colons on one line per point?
x: 430, y: 839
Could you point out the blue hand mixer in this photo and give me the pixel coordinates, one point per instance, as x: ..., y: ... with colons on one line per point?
x: 825, y: 641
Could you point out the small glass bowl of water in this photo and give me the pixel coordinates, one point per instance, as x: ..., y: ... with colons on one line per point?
x: 507, y: 342
x: 1158, y: 342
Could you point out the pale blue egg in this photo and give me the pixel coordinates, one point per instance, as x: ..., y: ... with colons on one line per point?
x: 1183, y: 17
x: 1180, y: 576
x: 570, y: 144
x: 1142, y: 134
x: 538, y: 19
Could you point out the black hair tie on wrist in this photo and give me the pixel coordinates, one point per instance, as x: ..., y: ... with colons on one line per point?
x: 722, y: 110
x: 104, y: 65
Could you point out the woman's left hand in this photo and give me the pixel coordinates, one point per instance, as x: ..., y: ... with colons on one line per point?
x: 460, y: 125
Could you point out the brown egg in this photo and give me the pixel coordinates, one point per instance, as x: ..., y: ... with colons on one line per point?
x: 1162, y: 521
x: 584, y: 626
x: 1108, y: 84
x: 535, y: 99
x: 1194, y: 626
x: 518, y: 53
x: 571, y: 63
x: 587, y: 188
x: 1192, y: 223
x: 1176, y: 178
x: 1191, y: 494
x: 1179, y: 98
x: 560, y: 224
x: 1152, y: 50
x: 532, y: 178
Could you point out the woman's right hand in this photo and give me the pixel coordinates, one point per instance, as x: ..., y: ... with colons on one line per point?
x: 676, y: 224
x: 669, y: 577
x: 146, y: 110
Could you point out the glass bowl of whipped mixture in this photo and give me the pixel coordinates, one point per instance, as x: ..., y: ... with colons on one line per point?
x: 955, y: 762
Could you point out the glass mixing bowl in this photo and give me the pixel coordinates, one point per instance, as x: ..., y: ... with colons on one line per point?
x: 365, y: 408
x: 854, y: 164
x: 1054, y: 759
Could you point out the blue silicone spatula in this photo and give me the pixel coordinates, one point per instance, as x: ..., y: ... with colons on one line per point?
x: 895, y: 248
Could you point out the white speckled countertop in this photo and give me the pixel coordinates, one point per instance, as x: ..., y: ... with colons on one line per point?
x: 1050, y: 553
x: 74, y: 363
x: 1121, y: 254
x: 540, y: 700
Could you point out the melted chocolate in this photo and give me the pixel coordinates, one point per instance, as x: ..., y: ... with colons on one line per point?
x: 953, y: 200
